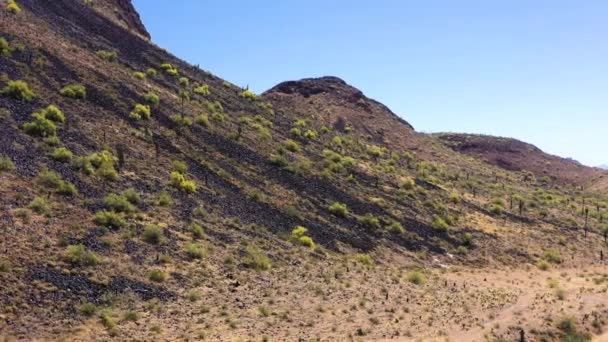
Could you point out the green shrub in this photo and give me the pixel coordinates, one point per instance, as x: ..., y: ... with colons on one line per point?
x: 194, y: 251
x: 365, y: 259
x: 110, y: 219
x: 184, y: 81
x: 291, y: 145
x: 295, y: 131
x: 132, y: 196
x: 153, y: 234
x: 131, y: 316
x: 415, y: 277
x: 571, y: 332
x: 6, y: 164
x: 278, y: 160
x: 310, y: 134
x: 181, y: 120
x: 553, y: 256
x: 107, y: 320
x: 369, y: 220
x: 196, y: 230
x: 169, y: 69
x: 164, y: 199
x: 255, y: 259
x: 119, y: 203
x: 248, y: 94
x: 338, y: 209
x: 40, y: 206
x: 78, y: 255
x: 62, y: 154
x: 139, y: 75
x: 151, y: 72
x: 157, y: 276
x: 394, y: 227
x: 440, y: 224
x: 140, y: 112
x: 298, y: 235
x: 19, y: 90
x: 74, y: 91
x: 52, y: 180
x: 88, y: 309
x: 179, y: 181
x: 110, y: 56
x: 202, y: 90
x: 203, y: 120
x: 543, y: 265
x: 5, y: 49
x: 12, y: 7
x: 54, y: 114
x: 496, y: 209
x: 41, y: 126
x: 152, y: 99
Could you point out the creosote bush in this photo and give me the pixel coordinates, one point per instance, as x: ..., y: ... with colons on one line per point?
x: 152, y: 99
x: 440, y: 224
x: 6, y: 164
x: 248, y: 94
x: 394, y: 227
x: 78, y: 255
x: 196, y: 230
x: 62, y: 154
x: 110, y: 219
x: 19, y: 90
x: 194, y: 251
x: 153, y: 235
x: 12, y: 7
x: 415, y: 277
x: 255, y: 259
x: 299, y: 236
x: 40, y: 206
x: 157, y: 276
x: 53, y: 181
x: 5, y: 49
x: 44, y: 123
x: 202, y: 90
x: 338, y: 209
x: 179, y: 180
x: 110, y: 56
x: 365, y: 259
x: 369, y: 220
x: 140, y: 112
x: 74, y: 91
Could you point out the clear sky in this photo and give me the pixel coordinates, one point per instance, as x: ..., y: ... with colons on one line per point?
x: 536, y: 70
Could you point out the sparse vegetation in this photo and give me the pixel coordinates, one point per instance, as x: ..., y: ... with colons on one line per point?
x: 299, y: 236
x: 141, y: 112
x: 338, y: 209
x: 78, y: 255
x: 255, y: 259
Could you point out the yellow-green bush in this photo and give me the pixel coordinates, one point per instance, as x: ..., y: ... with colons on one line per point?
x: 18, y: 89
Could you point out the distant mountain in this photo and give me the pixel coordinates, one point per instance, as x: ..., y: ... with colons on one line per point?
x: 605, y: 167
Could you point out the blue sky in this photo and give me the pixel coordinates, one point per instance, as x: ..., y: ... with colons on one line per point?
x: 536, y: 70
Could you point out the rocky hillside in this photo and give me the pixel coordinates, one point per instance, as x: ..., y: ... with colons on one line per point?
x: 145, y: 198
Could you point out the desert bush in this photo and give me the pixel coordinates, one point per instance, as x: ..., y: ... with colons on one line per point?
x: 153, y: 234
x: 5, y: 49
x: 408, y: 184
x: 368, y: 220
x: 365, y: 259
x: 310, y: 134
x: 157, y: 276
x: 40, y: 126
x: 78, y: 255
x: 203, y: 120
x: 299, y: 236
x: 6, y: 164
x: 202, y: 90
x: 553, y: 256
x: 62, y: 154
x: 110, y: 219
x: 255, y: 259
x: 12, y: 7
x: 543, y: 265
x: 291, y: 145
x: 152, y: 99
x: 110, y: 56
x: 88, y: 309
x: 52, y: 180
x: 74, y: 91
x: 278, y: 160
x: 164, y: 199
x: 179, y: 181
x: 19, y: 90
x: 139, y: 75
x: 132, y: 196
x: 295, y: 131
x: 181, y: 120
x: 394, y: 227
x: 248, y: 94
x: 415, y: 277
x: 338, y: 209
x: 194, y: 251
x: 151, y: 72
x: 119, y: 203
x: 184, y: 81
x: 196, y: 230
x: 40, y: 206
x: 569, y: 328
x: 169, y: 69
x: 140, y: 112
x: 440, y: 224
